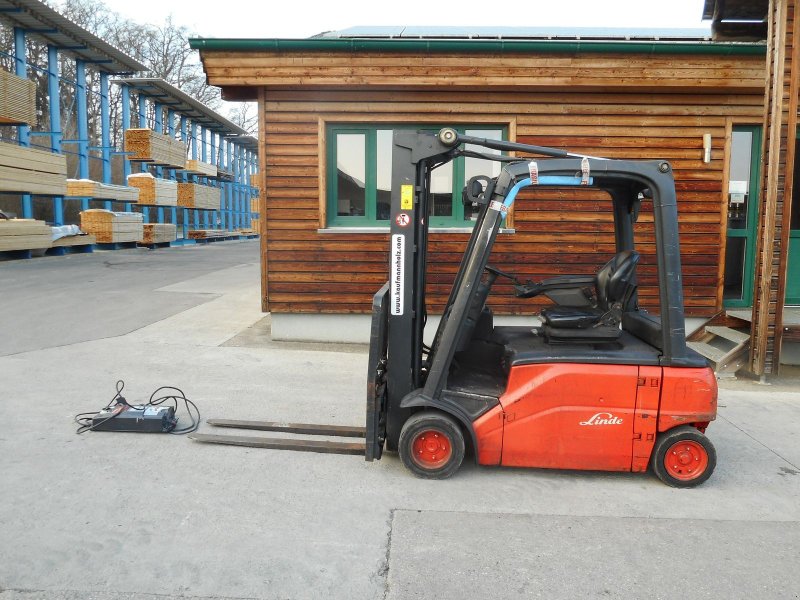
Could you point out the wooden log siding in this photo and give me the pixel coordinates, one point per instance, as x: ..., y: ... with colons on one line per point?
x: 557, y: 231
x: 325, y: 69
x: 619, y: 106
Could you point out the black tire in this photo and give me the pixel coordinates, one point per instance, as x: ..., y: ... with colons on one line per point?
x: 683, y: 457
x: 439, y: 445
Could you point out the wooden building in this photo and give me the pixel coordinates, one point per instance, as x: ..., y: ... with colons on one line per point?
x: 328, y: 105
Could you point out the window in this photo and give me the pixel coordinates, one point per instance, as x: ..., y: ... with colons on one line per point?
x: 359, y: 176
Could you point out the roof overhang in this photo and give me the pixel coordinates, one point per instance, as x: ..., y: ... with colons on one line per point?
x: 737, y: 19
x: 55, y: 29
x: 168, y: 95
x: 475, y: 46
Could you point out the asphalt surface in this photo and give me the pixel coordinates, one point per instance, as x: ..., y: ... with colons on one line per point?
x: 110, y: 516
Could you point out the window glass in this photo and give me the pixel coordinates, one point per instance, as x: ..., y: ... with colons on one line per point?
x: 795, y: 224
x: 383, y: 174
x: 442, y: 191
x: 351, y: 174
x: 734, y: 268
x: 739, y: 180
x: 363, y: 177
x: 479, y: 166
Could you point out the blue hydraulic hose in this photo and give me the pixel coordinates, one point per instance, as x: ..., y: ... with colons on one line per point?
x: 544, y: 180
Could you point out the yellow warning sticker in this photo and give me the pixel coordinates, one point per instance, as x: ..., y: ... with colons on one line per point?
x: 406, y: 197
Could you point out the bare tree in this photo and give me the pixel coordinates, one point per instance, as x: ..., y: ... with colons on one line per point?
x: 245, y: 115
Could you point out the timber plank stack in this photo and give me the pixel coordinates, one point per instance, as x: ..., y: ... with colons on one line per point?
x: 17, y: 99
x: 154, y: 191
x: 198, y: 167
x: 206, y: 234
x: 75, y: 240
x: 159, y: 233
x: 112, y: 227
x: 24, y: 234
x: 194, y: 195
x: 86, y: 188
x: 255, y: 219
x: 27, y: 170
x: 148, y: 146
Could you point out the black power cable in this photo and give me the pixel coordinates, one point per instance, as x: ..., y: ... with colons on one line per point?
x: 176, y: 395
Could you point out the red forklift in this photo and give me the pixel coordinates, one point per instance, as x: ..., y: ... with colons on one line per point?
x: 599, y: 385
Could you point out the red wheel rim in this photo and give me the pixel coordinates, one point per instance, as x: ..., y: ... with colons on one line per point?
x: 431, y: 449
x: 686, y: 460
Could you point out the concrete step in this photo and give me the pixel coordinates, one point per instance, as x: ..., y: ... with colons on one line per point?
x: 712, y: 353
x: 737, y: 337
x: 744, y: 314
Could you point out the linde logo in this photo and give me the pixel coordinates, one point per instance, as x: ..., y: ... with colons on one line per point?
x: 602, y: 418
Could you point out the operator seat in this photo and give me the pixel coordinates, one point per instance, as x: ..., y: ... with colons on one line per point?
x: 615, y: 284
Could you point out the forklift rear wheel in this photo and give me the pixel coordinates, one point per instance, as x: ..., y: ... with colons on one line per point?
x: 683, y: 457
x: 431, y: 445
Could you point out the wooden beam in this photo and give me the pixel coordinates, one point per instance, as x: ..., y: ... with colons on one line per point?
x: 770, y: 276
x: 262, y: 196
x: 793, y: 68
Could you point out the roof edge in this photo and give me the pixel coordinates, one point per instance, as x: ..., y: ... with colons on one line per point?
x: 475, y: 46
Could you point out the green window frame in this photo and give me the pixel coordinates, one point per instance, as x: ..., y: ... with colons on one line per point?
x: 745, y: 235
x: 370, y: 216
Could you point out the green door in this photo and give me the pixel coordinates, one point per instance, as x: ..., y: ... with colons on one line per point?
x: 793, y: 269
x: 743, y: 169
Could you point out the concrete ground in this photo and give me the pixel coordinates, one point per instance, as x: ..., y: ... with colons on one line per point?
x: 112, y: 516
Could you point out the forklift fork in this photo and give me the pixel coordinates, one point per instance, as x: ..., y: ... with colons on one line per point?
x: 298, y: 445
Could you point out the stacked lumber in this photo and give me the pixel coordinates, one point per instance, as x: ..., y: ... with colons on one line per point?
x: 75, y: 240
x: 17, y: 100
x: 154, y: 191
x: 198, y: 167
x: 159, y: 233
x: 24, y: 234
x: 255, y: 219
x: 26, y: 170
x: 194, y: 195
x: 254, y: 181
x: 148, y: 146
x: 203, y: 234
x: 112, y: 227
x: 86, y: 188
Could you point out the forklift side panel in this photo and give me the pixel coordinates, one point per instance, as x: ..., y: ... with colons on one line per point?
x: 570, y: 416
x: 648, y: 395
x: 489, y: 435
x: 688, y: 396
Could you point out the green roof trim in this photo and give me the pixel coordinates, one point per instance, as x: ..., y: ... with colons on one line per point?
x: 476, y: 46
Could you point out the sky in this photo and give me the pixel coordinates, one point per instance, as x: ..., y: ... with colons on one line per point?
x: 299, y: 19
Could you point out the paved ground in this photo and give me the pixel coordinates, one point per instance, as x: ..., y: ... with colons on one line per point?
x: 132, y: 517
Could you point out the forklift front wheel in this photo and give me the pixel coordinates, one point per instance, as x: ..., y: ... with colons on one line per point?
x: 431, y: 445
x: 683, y: 457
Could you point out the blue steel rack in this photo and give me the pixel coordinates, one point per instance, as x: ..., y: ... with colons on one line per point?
x: 210, y: 138
x: 31, y: 18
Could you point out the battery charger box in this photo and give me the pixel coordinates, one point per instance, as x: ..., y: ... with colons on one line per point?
x: 145, y: 419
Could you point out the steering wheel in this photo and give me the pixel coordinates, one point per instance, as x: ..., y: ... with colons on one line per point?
x: 495, y: 273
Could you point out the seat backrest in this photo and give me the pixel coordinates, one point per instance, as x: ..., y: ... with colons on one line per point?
x: 616, y: 279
